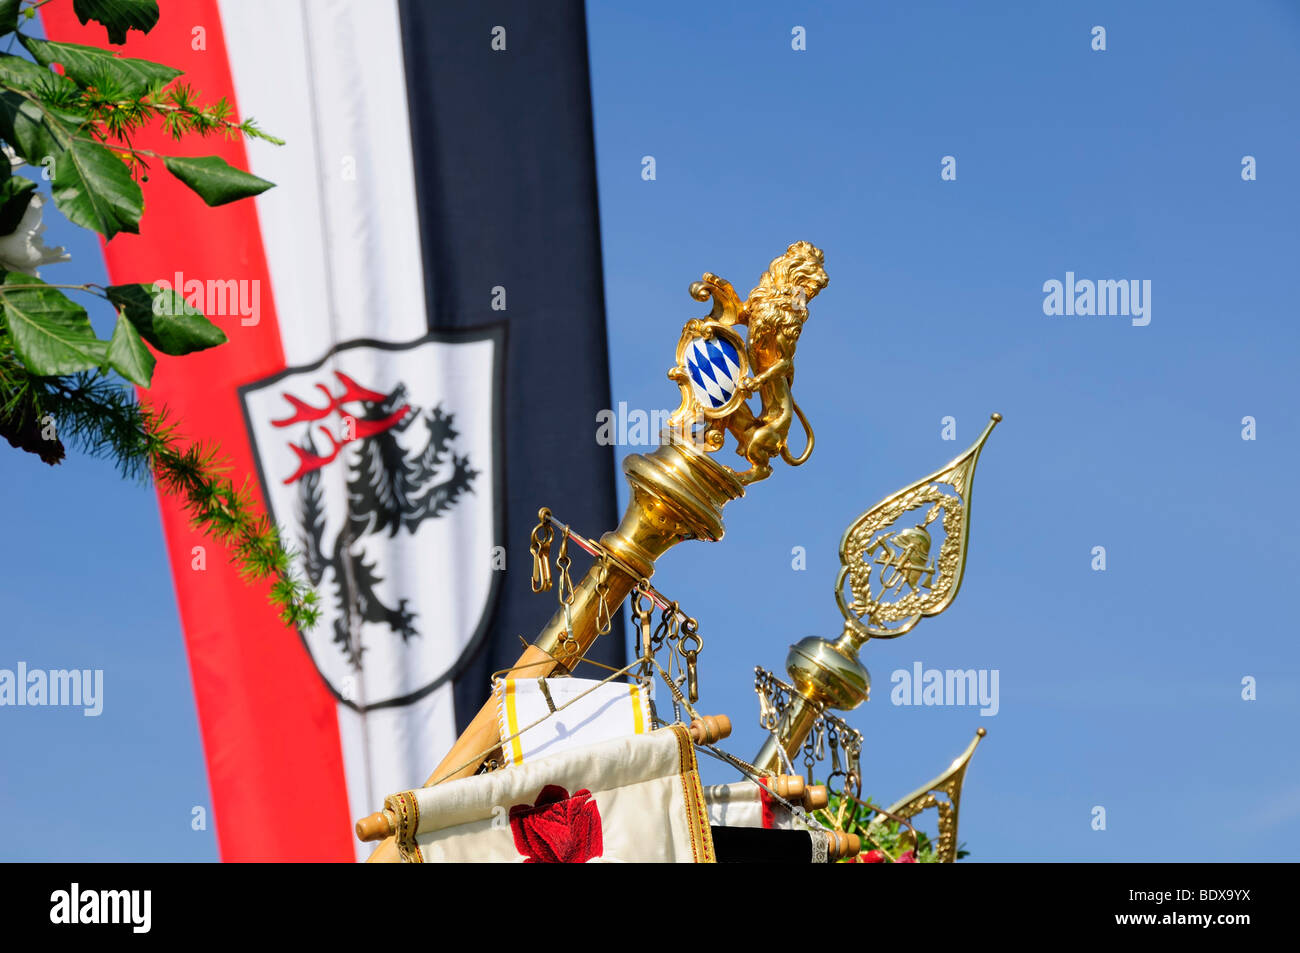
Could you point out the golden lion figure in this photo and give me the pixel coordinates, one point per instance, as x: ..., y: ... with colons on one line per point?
x: 774, y: 314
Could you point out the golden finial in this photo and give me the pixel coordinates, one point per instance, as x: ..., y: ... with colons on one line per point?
x: 944, y: 795
x: 718, y: 371
x: 892, y: 581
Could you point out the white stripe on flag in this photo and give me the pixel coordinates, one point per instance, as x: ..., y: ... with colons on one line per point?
x: 341, y: 222
x: 343, y: 248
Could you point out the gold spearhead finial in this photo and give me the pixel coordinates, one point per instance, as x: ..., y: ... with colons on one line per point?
x: 947, y: 785
x: 894, y: 578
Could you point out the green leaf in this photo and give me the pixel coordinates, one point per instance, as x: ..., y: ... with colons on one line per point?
x: 118, y: 16
x: 8, y: 16
x: 25, y: 126
x: 164, y: 319
x: 33, y: 129
x: 17, y: 71
x: 92, y: 186
x: 214, y: 179
x: 29, y: 123
x: 128, y: 355
x: 88, y: 64
x: 51, y: 333
x: 94, y: 189
x: 15, y: 195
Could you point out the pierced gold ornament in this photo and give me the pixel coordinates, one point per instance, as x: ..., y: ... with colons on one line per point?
x: 891, y: 578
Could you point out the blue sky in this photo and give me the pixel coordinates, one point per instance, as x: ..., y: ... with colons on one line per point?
x: 1119, y: 688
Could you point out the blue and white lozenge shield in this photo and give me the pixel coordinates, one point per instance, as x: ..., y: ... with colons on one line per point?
x: 714, y: 366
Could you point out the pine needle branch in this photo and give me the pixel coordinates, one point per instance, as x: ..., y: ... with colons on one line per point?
x: 104, y: 420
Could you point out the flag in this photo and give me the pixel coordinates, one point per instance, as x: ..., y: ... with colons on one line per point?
x: 594, y: 711
x: 634, y: 799
x: 417, y: 356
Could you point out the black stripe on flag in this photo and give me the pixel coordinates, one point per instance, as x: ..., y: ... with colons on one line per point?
x: 506, y: 191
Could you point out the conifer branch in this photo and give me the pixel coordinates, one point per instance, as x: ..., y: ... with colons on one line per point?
x: 104, y: 420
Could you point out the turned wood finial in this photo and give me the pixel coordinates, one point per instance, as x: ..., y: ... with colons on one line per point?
x: 815, y: 797
x: 710, y: 729
x: 788, y: 786
x: 840, y: 845
x: 376, y: 826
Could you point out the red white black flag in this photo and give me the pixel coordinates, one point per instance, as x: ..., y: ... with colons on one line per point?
x: 416, y: 358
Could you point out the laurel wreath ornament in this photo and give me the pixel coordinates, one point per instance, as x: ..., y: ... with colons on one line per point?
x: 869, y: 608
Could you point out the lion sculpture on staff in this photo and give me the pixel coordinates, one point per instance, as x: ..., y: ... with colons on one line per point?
x: 774, y: 314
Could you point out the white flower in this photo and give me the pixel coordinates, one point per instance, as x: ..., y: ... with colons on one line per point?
x: 24, y: 250
x: 14, y: 161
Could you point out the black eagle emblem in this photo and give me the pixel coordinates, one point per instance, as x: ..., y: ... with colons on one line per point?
x: 389, y: 491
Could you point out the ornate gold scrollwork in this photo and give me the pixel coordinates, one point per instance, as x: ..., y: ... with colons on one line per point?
x: 718, y: 371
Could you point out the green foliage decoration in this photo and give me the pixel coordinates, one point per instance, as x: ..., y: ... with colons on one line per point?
x: 71, y: 111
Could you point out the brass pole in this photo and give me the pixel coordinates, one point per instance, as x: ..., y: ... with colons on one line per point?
x: 678, y: 492
x: 792, y: 730
x: 824, y: 675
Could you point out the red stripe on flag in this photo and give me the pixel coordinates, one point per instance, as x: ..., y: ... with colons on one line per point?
x: 270, y: 727
x: 767, y: 805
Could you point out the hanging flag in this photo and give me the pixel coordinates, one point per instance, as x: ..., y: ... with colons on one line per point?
x: 594, y: 711
x: 417, y: 356
x: 634, y: 799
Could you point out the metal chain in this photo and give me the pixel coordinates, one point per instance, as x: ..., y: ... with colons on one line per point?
x: 827, y: 729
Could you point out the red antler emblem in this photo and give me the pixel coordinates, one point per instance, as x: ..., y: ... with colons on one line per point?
x: 360, y: 429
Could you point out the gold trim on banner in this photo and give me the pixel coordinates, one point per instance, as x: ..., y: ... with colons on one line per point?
x: 407, y: 811
x: 697, y: 814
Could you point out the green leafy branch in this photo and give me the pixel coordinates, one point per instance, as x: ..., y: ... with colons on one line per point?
x: 115, y: 96
x: 93, y: 183
x: 56, y: 375
x: 121, y: 94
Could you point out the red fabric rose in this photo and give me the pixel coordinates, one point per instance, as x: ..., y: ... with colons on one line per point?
x: 558, y: 828
x: 907, y: 858
x: 871, y: 857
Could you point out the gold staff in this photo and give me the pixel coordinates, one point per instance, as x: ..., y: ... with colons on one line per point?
x: 679, y: 490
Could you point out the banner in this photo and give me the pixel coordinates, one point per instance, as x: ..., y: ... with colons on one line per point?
x: 531, y: 726
x: 417, y: 355
x: 635, y: 799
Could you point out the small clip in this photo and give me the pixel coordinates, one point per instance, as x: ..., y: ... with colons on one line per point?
x: 540, y: 547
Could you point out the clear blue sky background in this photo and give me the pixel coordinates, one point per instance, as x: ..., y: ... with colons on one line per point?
x: 1119, y: 688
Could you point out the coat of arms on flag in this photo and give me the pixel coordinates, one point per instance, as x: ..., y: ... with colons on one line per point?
x: 381, y: 466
